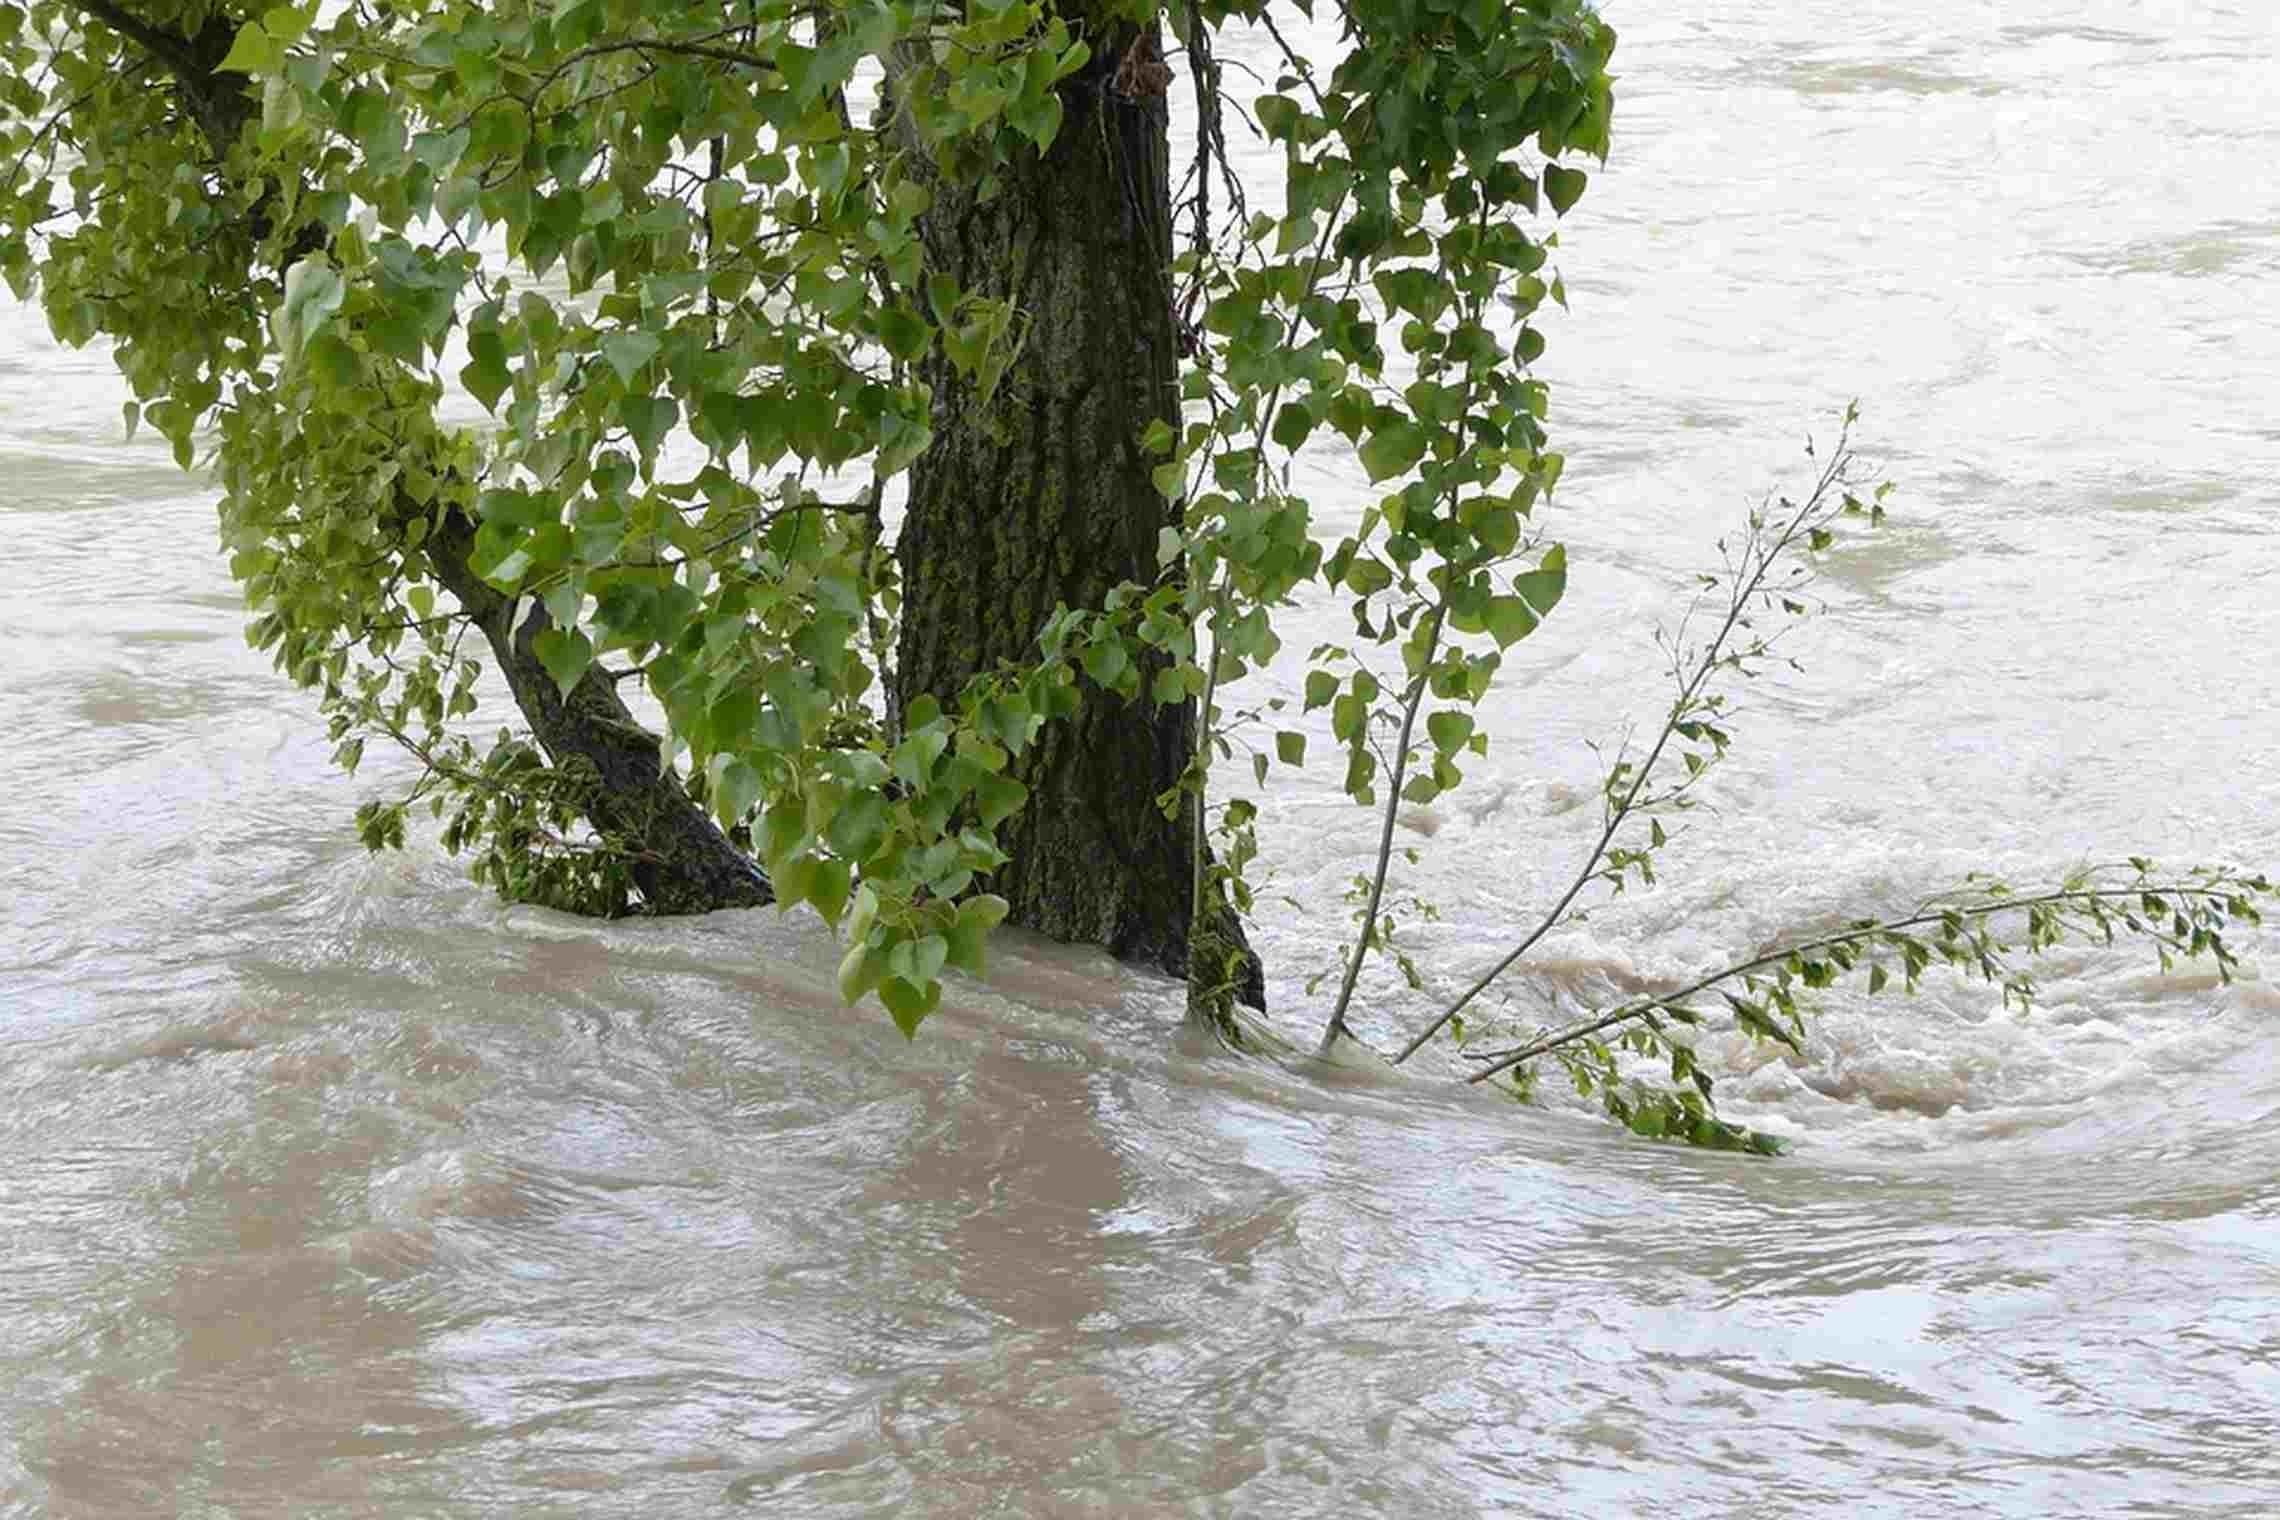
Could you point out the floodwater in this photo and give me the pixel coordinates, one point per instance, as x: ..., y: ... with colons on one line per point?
x: 330, y: 1186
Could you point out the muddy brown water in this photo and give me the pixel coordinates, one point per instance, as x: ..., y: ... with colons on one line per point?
x: 330, y: 1186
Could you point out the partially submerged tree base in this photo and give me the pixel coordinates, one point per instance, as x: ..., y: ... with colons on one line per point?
x: 1034, y: 496
x: 286, y: 222
x: 677, y: 857
x: 1224, y: 978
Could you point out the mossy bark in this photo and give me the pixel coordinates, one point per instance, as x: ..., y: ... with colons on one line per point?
x: 681, y: 861
x: 1040, y: 496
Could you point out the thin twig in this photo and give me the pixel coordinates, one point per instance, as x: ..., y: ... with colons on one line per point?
x: 1713, y: 657
x: 1413, y: 699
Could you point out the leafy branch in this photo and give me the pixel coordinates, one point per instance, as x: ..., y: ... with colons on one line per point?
x: 1693, y: 714
x: 1977, y: 932
x: 1411, y: 700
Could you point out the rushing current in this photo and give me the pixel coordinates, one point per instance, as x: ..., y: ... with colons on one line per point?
x: 329, y: 1185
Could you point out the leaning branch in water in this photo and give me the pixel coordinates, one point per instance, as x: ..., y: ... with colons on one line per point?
x: 1629, y: 796
x: 2182, y: 918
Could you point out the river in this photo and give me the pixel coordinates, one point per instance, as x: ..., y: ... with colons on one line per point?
x: 330, y: 1185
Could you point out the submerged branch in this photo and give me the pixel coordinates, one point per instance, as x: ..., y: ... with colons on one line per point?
x: 2196, y: 909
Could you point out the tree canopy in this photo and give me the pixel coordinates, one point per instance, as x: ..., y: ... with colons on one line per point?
x: 308, y: 230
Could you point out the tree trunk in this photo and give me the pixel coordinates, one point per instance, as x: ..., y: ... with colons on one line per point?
x: 1042, y: 496
x: 682, y: 862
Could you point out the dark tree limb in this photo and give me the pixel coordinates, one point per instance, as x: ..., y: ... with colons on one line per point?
x: 220, y: 105
x: 682, y: 862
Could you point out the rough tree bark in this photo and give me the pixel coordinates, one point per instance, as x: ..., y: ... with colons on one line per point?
x: 1041, y: 496
x: 681, y: 861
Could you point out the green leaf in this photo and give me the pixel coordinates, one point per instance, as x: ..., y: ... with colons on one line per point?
x: 1277, y: 115
x: 627, y: 352
x: 648, y: 419
x: 252, y: 51
x: 861, y: 969
x: 1498, y: 531
x: 1106, y: 661
x: 983, y: 911
x: 857, y: 826
x: 313, y: 292
x: 565, y: 653
x: 1038, y: 119
x: 1509, y: 620
x: 1292, y: 424
x: 1366, y: 576
x: 440, y: 150
x: 997, y: 798
x: 903, y: 332
x: 913, y: 759
x: 485, y: 374
x: 734, y: 793
x: 1290, y: 748
x: 1563, y: 186
x: 919, y: 961
x: 977, y: 916
x: 1547, y: 583
x: 1393, y: 449
x: 827, y: 890
x: 865, y: 914
x: 334, y: 363
x: 1321, y: 689
x: 1449, y: 730
x: 793, y: 880
x: 909, y: 1005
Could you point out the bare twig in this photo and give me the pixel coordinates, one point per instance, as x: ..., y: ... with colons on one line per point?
x: 1745, y: 589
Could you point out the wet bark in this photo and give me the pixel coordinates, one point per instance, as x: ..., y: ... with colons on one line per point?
x: 1042, y: 496
x: 682, y: 862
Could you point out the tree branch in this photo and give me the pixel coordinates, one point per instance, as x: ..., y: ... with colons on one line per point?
x: 2225, y: 893
x: 169, y: 48
x: 1745, y: 591
x: 192, y: 61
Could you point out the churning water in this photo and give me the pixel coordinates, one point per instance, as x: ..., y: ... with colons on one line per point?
x: 328, y: 1185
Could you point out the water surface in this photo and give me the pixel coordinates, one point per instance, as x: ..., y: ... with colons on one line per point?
x: 332, y: 1186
